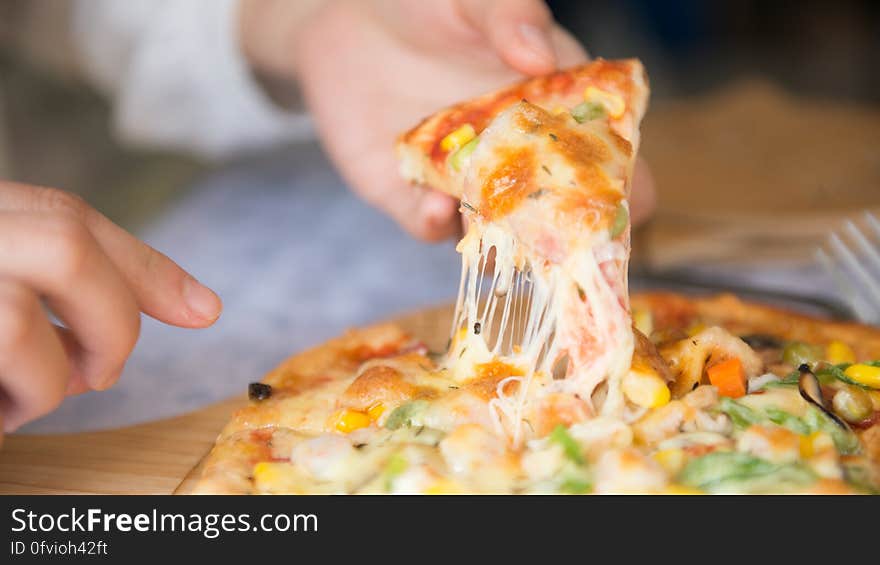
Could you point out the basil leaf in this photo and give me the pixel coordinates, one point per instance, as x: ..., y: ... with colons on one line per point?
x: 828, y: 373
x: 576, y: 485
x: 741, y: 415
x: 570, y: 447
x: 735, y: 472
x: 790, y: 379
x: 713, y: 467
x: 394, y: 467
x: 786, y: 420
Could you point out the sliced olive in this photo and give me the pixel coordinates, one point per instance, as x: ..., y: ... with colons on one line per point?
x: 852, y: 404
x: 811, y: 391
x: 259, y: 391
x: 762, y: 341
x: 809, y: 386
x: 796, y: 353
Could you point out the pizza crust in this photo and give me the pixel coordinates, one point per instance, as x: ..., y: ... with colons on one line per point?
x: 741, y: 317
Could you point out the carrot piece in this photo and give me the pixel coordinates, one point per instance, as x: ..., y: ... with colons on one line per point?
x: 729, y: 377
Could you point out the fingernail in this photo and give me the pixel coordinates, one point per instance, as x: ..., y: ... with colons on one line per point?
x: 201, y: 300
x: 537, y: 42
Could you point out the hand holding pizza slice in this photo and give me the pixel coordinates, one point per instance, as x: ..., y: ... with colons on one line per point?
x: 543, y: 170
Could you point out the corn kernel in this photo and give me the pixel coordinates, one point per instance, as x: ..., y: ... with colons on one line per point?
x: 458, y: 138
x: 443, y: 486
x: 268, y: 472
x: 347, y: 420
x: 681, y: 490
x: 838, y: 352
x: 644, y: 387
x: 275, y: 476
x: 672, y: 460
x: 643, y: 320
x: 867, y: 375
x: 613, y: 103
x: 375, y: 411
x: 807, y: 446
x: 263, y: 471
x: 816, y: 442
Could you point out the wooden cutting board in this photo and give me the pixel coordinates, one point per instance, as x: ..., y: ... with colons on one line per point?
x: 151, y: 458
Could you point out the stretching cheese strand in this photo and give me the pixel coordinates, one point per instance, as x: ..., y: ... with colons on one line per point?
x: 534, y: 331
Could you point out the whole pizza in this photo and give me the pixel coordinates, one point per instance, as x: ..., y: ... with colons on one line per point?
x: 555, y: 379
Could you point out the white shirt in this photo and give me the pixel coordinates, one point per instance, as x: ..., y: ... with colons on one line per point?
x: 177, y: 76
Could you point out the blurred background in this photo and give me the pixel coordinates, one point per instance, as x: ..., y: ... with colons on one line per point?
x: 56, y: 130
x: 763, y: 135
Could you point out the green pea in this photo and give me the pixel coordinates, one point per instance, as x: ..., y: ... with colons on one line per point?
x: 404, y: 415
x: 621, y: 219
x: 852, y: 404
x: 586, y: 111
x: 796, y: 353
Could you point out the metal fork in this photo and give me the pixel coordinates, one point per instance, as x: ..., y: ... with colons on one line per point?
x: 852, y: 259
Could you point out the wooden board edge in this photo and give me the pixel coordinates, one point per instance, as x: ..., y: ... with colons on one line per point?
x: 188, y: 484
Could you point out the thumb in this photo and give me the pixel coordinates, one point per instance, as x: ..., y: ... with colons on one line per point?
x: 643, y: 199
x: 518, y: 30
x: 425, y: 213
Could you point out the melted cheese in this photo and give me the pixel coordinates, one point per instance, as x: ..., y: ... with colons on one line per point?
x: 447, y: 447
x: 543, y: 284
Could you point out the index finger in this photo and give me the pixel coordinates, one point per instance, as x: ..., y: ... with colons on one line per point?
x: 160, y: 286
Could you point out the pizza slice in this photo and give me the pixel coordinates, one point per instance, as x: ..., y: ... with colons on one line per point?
x: 543, y: 172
